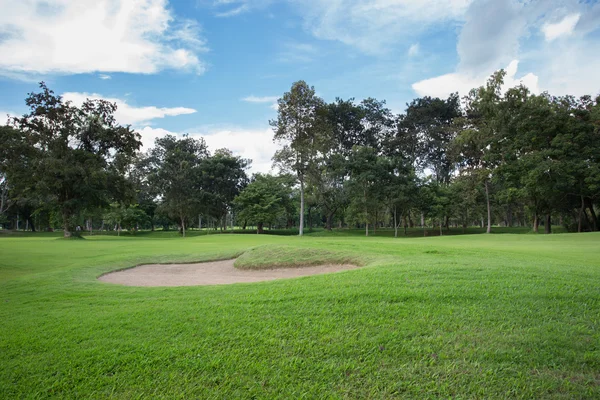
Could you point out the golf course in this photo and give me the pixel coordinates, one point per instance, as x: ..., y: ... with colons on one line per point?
x: 466, y: 316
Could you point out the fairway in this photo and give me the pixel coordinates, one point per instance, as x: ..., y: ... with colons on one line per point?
x: 470, y: 317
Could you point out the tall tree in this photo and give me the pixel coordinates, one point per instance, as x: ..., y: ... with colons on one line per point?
x: 176, y: 171
x: 297, y: 128
x: 223, y: 176
x: 263, y: 201
x: 75, y: 157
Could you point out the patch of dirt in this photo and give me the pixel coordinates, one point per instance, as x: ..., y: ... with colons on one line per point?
x: 208, y: 273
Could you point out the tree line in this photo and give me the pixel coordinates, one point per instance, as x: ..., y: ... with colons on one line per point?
x: 494, y: 157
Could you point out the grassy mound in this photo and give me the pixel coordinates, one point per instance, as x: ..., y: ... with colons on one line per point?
x: 273, y: 256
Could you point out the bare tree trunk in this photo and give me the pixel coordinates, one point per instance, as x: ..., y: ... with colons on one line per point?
x: 489, y: 209
x: 590, y: 206
x: 536, y: 222
x: 328, y: 223
x: 259, y: 228
x: 366, y: 214
x: 581, y: 211
x: 375, y: 224
x: 395, y: 224
x: 301, y: 228
x: 183, y: 226
x: 66, y: 224
x: 548, y: 224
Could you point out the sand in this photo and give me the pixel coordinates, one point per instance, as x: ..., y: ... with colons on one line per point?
x: 209, y: 273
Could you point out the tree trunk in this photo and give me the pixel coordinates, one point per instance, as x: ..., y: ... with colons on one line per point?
x: 580, y: 219
x: 366, y: 213
x: 395, y: 224
x: 441, y: 223
x: 329, y: 221
x: 119, y: 229
x: 536, y: 222
x: 259, y: 228
x: 590, y: 206
x: 66, y: 225
x: 548, y: 224
x: 31, y: 224
x: 489, y: 209
x: 375, y: 224
x: 183, y: 226
x: 301, y: 228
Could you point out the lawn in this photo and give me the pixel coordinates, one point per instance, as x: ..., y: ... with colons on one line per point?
x: 473, y: 316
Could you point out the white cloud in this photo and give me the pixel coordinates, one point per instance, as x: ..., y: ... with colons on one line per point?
x: 259, y: 99
x: 294, y: 52
x: 67, y: 37
x: 5, y: 115
x: 442, y: 86
x: 234, y: 11
x: 413, y: 50
x: 127, y: 114
x: 372, y: 25
x: 104, y: 77
x: 564, y: 27
x: 498, y: 32
x: 254, y: 144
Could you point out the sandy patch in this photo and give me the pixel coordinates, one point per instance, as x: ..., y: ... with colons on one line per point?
x: 208, y: 273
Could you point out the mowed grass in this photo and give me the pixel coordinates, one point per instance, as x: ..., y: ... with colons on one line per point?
x: 478, y: 316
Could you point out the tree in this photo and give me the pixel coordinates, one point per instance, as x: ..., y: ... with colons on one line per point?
x: 263, y: 200
x: 297, y: 127
x: 73, y: 157
x: 175, y: 167
x: 223, y: 176
x: 425, y: 132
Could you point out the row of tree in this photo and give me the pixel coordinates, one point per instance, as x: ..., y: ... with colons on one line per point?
x: 511, y: 157
x: 493, y: 157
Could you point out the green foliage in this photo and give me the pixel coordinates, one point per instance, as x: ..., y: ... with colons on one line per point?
x: 66, y: 157
x: 263, y: 201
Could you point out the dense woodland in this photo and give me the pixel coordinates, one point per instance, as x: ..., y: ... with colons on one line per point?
x: 493, y: 158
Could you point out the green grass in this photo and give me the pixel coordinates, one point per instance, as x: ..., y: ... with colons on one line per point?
x: 469, y: 317
x: 277, y: 256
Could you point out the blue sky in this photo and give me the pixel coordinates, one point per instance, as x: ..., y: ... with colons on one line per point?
x: 213, y: 68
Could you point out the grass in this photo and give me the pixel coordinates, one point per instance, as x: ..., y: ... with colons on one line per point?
x: 476, y: 316
x: 278, y: 256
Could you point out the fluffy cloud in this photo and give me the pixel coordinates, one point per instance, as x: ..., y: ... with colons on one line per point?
x: 443, y: 86
x: 372, y: 25
x: 499, y: 32
x: 258, y: 99
x: 5, y: 115
x: 561, y: 28
x: 256, y: 144
x: 64, y: 36
x: 127, y: 114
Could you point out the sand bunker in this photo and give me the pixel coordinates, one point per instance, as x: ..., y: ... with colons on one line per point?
x: 208, y: 273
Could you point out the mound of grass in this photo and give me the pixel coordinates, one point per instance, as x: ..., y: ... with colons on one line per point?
x: 278, y: 256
